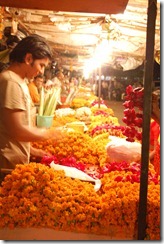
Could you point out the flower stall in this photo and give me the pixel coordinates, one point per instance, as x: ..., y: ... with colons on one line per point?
x: 38, y: 202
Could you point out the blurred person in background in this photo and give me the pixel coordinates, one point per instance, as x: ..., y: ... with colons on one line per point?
x: 34, y: 87
x: 104, y: 90
x: 58, y: 79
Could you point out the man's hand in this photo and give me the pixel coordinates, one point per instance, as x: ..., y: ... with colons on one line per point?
x: 38, y: 153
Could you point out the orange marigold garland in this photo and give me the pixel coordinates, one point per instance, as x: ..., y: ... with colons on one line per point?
x: 157, y: 159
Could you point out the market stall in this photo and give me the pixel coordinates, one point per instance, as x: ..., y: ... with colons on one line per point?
x: 98, y: 200
x: 112, y: 211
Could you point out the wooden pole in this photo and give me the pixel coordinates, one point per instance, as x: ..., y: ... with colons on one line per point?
x: 148, y: 80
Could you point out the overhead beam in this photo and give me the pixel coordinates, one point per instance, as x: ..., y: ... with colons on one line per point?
x: 85, y: 6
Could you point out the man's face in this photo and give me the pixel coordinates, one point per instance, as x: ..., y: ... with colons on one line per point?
x: 35, y: 67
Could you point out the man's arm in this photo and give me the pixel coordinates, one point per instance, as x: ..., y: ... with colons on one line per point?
x: 12, y: 120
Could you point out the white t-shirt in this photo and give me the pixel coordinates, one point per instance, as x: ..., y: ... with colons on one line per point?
x: 14, y: 94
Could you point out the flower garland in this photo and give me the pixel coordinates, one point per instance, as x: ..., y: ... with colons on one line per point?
x: 156, y: 162
x: 133, y: 117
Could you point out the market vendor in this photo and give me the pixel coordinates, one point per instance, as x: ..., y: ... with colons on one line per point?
x: 27, y: 60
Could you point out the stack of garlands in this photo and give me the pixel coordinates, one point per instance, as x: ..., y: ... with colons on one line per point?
x: 35, y: 195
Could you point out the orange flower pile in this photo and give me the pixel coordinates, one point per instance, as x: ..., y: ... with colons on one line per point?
x: 153, y: 213
x: 128, y: 194
x: 61, y: 121
x: 98, y: 120
x: 35, y: 195
x: 76, y: 144
x: 80, y: 102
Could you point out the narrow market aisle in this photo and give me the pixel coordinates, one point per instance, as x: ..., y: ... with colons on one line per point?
x: 118, y: 109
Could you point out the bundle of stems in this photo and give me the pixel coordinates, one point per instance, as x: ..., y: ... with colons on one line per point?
x: 71, y: 95
x: 48, y: 101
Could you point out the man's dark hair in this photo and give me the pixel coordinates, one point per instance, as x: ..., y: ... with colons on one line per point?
x: 34, y: 44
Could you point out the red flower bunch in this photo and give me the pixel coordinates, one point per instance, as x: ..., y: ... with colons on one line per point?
x: 97, y: 102
x: 68, y: 161
x: 133, y: 118
x: 107, y: 128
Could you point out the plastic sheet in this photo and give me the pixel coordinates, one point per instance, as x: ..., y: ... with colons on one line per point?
x: 77, y: 174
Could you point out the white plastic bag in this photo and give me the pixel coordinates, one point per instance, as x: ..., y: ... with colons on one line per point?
x: 119, y: 150
x: 76, y: 174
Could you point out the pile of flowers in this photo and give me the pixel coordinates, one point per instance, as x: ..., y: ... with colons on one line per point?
x: 35, y: 195
x: 84, y: 100
x: 76, y: 144
x: 99, y: 119
x: 61, y: 121
x: 79, y: 102
x: 115, y: 130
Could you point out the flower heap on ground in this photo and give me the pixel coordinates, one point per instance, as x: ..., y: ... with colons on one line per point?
x: 35, y: 195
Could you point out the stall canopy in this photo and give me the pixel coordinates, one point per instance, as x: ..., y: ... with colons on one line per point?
x: 76, y: 30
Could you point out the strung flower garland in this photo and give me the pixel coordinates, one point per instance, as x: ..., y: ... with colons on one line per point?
x: 133, y: 118
x: 156, y: 162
